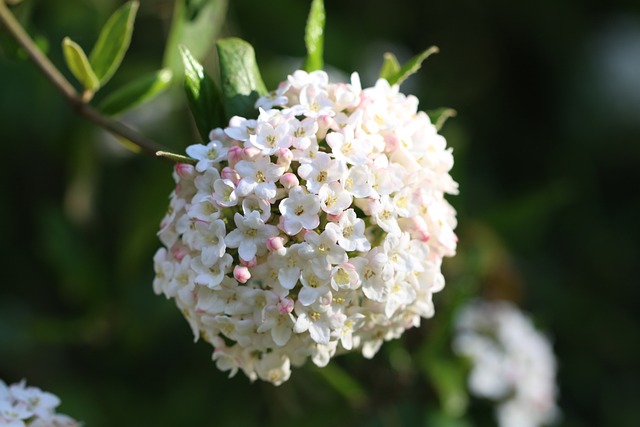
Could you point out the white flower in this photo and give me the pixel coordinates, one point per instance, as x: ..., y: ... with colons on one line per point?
x: 224, y: 193
x: 345, y: 146
x: 333, y: 199
x: 211, y: 275
x: 209, y: 238
x: 274, y: 367
x: 279, y: 322
x: 321, y: 171
x: 304, y: 132
x: 240, y: 128
x: 269, y: 138
x: 358, y: 182
x: 385, y: 215
x: 207, y: 155
x: 350, y: 232
x: 314, y: 318
x: 346, y: 326
x: 299, y: 210
x: 250, y: 236
x: 258, y: 177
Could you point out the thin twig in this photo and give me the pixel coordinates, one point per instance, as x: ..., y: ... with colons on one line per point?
x: 69, y: 92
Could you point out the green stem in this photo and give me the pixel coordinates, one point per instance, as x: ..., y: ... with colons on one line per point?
x: 69, y: 92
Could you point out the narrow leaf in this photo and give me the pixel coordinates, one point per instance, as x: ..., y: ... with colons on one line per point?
x: 240, y: 77
x: 195, y: 25
x: 135, y: 93
x: 411, y: 66
x: 203, y: 95
x: 440, y: 115
x: 314, y: 36
x: 113, y: 42
x: 390, y: 66
x: 79, y: 65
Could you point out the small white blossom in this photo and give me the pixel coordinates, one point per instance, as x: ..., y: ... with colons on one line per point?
x: 350, y: 232
x: 258, y: 177
x: 299, y: 210
x: 207, y: 155
x: 250, y: 236
x: 333, y: 199
x: 321, y: 172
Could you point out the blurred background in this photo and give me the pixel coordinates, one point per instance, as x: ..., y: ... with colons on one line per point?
x: 547, y: 149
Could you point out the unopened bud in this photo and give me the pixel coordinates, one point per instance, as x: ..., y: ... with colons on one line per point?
x: 241, y: 273
x: 251, y: 263
x: 285, y: 306
x: 230, y: 174
x: 289, y: 180
x: 234, y: 155
x: 275, y: 244
x: 185, y: 170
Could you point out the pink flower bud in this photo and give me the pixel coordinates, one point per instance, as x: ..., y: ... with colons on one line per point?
x: 285, y: 306
x: 252, y: 263
x: 324, y: 124
x: 235, y: 154
x: 230, y: 174
x: 284, y: 158
x: 179, y: 252
x: 185, y: 170
x: 241, y: 273
x: 289, y: 180
x: 275, y: 244
x: 417, y: 227
x: 392, y: 142
x: 250, y: 152
x: 334, y: 217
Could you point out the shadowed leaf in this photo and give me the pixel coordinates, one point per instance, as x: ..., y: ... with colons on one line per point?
x: 240, y: 77
x: 203, y: 95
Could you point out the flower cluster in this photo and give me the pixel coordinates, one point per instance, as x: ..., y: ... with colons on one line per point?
x: 22, y: 406
x: 512, y: 363
x: 316, y: 228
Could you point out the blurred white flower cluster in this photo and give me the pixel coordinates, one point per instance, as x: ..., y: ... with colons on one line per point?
x: 316, y: 228
x: 512, y: 363
x: 22, y: 406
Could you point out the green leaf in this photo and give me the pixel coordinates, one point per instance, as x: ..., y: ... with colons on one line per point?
x: 79, y: 65
x: 411, y: 66
x: 113, y: 42
x: 203, y: 95
x: 314, y: 36
x: 440, y: 115
x: 390, y: 66
x: 240, y: 77
x: 137, y: 92
x: 195, y: 25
